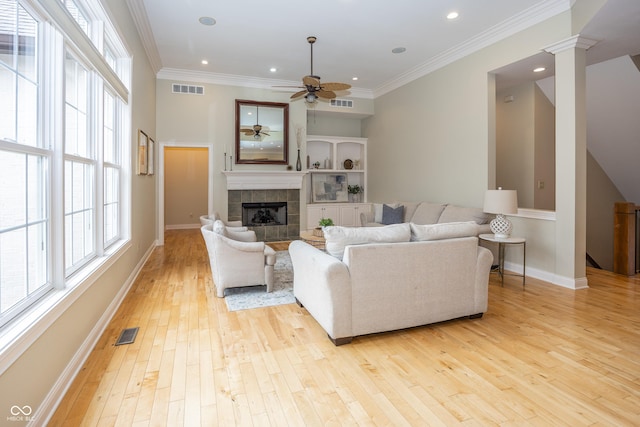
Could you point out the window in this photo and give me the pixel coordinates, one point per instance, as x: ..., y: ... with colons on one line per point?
x: 77, y: 15
x: 79, y: 211
x: 61, y: 171
x: 112, y: 173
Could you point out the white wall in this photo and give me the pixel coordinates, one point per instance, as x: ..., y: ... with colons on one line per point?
x: 433, y: 139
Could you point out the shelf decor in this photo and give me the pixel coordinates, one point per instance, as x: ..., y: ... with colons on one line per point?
x: 329, y: 187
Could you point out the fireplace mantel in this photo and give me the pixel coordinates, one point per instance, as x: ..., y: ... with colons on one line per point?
x: 264, y: 180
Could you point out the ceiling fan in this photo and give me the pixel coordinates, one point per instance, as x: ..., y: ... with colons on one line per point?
x: 313, y: 88
x: 257, y: 130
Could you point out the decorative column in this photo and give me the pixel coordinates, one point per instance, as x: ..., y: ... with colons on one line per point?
x: 571, y: 160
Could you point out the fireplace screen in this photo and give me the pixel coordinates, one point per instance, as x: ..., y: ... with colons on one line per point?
x: 264, y: 214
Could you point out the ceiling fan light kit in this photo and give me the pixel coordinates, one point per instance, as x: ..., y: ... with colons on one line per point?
x: 313, y: 88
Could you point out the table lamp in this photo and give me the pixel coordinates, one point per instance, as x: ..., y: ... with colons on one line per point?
x: 501, y: 202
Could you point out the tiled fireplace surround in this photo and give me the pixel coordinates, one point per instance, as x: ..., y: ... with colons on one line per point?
x: 271, y: 233
x: 266, y: 186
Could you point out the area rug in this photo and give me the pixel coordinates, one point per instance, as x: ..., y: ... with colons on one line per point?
x: 256, y: 296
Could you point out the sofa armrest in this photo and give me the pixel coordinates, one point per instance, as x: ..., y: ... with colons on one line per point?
x: 245, y: 246
x: 322, y: 285
x: 483, y: 269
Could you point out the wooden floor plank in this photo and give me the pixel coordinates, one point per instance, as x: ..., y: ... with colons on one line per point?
x: 540, y: 356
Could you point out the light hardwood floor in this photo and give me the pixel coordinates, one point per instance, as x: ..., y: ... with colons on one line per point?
x: 543, y: 356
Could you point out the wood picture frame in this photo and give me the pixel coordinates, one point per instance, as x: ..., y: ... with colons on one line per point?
x: 262, y: 133
x: 151, y: 150
x: 143, y: 144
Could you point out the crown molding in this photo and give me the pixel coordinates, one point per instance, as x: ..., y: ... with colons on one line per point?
x: 573, y: 42
x: 243, y: 81
x: 527, y: 18
x: 139, y: 16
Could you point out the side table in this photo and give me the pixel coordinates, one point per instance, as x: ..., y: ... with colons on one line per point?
x: 501, y: 245
x: 313, y: 240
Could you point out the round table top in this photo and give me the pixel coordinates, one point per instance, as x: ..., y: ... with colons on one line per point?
x: 493, y: 238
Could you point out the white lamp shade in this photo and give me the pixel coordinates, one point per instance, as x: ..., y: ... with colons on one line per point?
x: 501, y: 202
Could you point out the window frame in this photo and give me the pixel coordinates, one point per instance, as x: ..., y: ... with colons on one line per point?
x: 58, y: 34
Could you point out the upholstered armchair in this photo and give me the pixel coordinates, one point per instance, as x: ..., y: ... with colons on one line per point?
x: 236, y: 259
x: 209, y: 219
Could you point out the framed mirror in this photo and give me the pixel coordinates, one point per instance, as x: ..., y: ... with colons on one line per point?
x: 262, y: 132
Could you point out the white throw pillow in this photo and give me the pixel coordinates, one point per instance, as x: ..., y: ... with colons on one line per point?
x: 338, y: 237
x: 219, y: 228
x: 448, y: 230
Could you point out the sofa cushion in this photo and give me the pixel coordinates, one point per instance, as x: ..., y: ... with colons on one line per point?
x: 448, y: 230
x: 338, y: 237
x: 427, y: 213
x: 460, y: 214
x: 392, y: 215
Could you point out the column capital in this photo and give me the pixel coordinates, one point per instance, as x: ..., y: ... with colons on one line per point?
x: 572, y: 42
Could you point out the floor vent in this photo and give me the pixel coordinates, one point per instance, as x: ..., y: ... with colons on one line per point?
x: 127, y: 336
x: 342, y: 103
x: 188, y: 89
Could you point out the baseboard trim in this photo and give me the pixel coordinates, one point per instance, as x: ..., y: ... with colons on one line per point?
x: 546, y: 276
x: 51, y: 401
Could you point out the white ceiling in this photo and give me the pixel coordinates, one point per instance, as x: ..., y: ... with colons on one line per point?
x: 355, y: 37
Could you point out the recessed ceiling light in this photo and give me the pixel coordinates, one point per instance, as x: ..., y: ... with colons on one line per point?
x: 204, y: 62
x: 398, y: 49
x: 273, y: 69
x: 452, y: 15
x: 207, y: 20
x: 354, y: 78
x: 539, y: 69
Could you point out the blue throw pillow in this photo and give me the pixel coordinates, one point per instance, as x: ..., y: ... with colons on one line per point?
x: 392, y: 215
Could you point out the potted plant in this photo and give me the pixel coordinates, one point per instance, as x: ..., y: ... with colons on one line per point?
x: 324, y: 222
x: 354, y: 192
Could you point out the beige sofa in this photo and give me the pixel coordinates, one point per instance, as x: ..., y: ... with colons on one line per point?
x: 429, y: 213
x: 379, y: 287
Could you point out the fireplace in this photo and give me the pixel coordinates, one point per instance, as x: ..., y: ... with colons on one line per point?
x: 264, y: 214
x: 287, y: 203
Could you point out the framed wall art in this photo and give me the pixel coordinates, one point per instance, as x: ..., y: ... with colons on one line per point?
x: 143, y: 144
x: 329, y: 187
x: 151, y: 150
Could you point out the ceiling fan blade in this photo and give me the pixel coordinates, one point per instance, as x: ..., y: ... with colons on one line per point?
x: 335, y: 86
x: 264, y: 133
x: 300, y: 87
x: 298, y: 94
x: 325, y: 94
x: 310, y: 81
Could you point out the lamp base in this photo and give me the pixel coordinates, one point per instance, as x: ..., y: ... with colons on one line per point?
x: 501, y: 227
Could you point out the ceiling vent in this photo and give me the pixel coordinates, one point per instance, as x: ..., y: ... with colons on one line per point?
x: 347, y: 103
x: 188, y: 89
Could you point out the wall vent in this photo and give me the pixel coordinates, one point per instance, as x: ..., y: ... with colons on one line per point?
x: 188, y: 89
x: 342, y: 103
